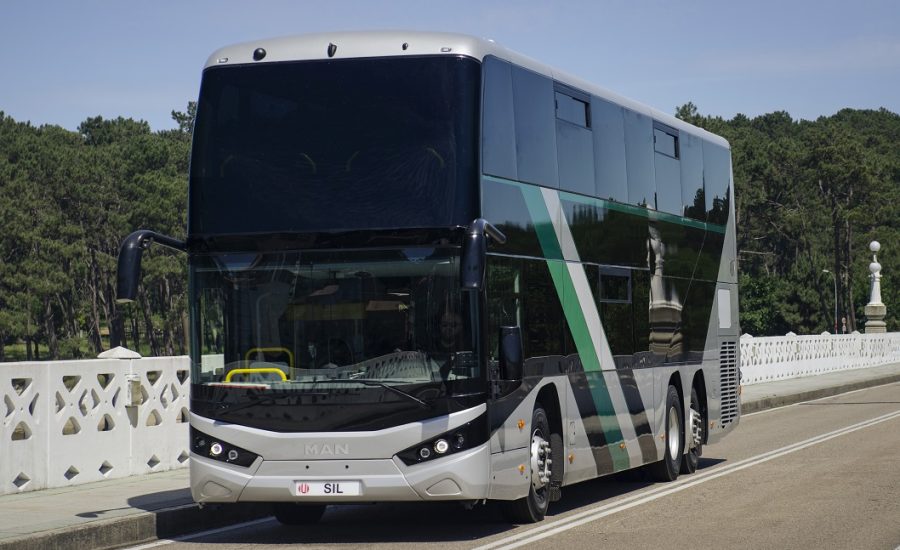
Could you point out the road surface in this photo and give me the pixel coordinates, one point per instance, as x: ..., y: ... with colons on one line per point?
x: 821, y: 474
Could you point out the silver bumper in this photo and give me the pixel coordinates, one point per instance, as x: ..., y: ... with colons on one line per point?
x: 461, y: 476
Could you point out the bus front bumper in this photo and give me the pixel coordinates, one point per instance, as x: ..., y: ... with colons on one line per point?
x: 461, y: 476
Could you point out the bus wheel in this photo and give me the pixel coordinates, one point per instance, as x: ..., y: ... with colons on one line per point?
x: 292, y: 513
x: 691, y: 459
x: 532, y: 508
x: 667, y: 469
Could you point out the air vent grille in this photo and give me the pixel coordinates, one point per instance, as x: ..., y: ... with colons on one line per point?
x: 728, y: 378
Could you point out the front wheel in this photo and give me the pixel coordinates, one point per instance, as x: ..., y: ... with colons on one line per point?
x: 667, y: 469
x: 533, y: 508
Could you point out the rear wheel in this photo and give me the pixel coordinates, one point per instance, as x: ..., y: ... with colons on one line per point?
x: 691, y: 459
x: 292, y: 513
x: 533, y: 507
x: 667, y: 469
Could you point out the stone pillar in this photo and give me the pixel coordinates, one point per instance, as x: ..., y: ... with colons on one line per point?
x: 875, y: 309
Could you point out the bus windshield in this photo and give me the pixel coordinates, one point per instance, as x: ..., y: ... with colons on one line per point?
x: 389, y: 326
x: 335, y: 145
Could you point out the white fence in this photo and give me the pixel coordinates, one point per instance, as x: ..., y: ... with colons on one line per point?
x: 69, y: 422
x: 780, y: 357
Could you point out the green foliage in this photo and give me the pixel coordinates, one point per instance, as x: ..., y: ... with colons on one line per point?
x: 810, y: 196
x: 67, y: 200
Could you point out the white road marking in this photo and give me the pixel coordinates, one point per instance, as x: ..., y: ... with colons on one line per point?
x: 165, y: 542
x: 552, y: 528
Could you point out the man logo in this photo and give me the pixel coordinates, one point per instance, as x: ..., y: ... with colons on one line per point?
x: 327, y: 449
x: 303, y: 488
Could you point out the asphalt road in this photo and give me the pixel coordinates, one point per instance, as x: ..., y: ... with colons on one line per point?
x: 822, y: 474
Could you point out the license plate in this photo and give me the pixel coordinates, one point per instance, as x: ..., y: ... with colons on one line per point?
x: 327, y: 488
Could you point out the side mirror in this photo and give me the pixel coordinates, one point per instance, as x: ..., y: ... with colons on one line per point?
x: 129, y: 270
x: 474, y: 252
x: 512, y: 362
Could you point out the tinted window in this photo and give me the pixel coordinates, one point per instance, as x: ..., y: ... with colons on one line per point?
x: 498, y: 134
x: 716, y: 174
x: 667, y: 169
x: 572, y: 109
x: 535, y: 127
x: 692, y: 198
x: 521, y: 292
x: 615, y: 285
x: 665, y: 142
x: 609, y: 146
x: 504, y: 298
x: 639, y: 159
x: 575, y: 149
x: 336, y: 145
x: 543, y: 322
x: 640, y: 294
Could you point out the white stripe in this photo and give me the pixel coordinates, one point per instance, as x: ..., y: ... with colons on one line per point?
x: 595, y: 328
x: 552, y: 528
x: 166, y: 542
x: 563, y: 234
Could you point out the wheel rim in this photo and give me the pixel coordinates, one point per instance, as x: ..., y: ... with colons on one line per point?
x: 696, y: 428
x: 674, y: 433
x: 540, y: 461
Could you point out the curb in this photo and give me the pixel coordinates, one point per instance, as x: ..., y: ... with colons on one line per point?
x: 791, y: 399
x: 138, y: 528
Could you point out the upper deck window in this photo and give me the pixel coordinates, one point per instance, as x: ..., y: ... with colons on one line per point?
x: 665, y: 141
x: 572, y: 110
x: 336, y: 145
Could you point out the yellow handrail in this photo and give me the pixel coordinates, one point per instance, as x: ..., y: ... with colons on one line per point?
x: 263, y: 370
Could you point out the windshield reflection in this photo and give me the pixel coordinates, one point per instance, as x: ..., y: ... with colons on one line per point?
x: 324, y: 320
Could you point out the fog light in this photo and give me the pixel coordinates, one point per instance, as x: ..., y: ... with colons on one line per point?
x: 215, y: 449
x: 441, y: 446
x: 459, y: 440
x: 232, y: 455
x: 424, y: 453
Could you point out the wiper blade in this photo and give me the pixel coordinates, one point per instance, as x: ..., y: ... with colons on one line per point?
x: 388, y: 387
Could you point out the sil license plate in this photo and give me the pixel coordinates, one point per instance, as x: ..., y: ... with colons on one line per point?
x: 327, y: 488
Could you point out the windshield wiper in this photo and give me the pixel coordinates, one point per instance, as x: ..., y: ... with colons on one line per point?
x: 398, y: 391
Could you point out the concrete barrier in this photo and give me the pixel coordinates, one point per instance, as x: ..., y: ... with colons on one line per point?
x: 774, y: 358
x: 70, y: 422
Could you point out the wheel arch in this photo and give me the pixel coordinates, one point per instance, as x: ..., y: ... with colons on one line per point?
x: 548, y: 397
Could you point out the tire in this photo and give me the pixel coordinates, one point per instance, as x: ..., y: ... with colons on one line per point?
x: 533, y: 508
x: 291, y: 513
x: 691, y: 459
x: 668, y: 468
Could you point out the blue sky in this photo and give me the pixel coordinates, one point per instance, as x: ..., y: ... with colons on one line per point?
x: 63, y: 61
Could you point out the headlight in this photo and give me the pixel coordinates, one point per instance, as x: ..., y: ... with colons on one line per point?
x: 216, y: 449
x: 467, y: 436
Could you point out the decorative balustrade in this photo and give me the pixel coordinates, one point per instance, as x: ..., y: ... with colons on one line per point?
x: 68, y: 422
x: 780, y: 357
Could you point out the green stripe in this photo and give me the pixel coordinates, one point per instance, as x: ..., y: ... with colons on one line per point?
x: 578, y: 325
x: 652, y: 215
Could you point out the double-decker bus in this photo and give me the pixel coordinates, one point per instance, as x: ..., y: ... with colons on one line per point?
x: 424, y: 267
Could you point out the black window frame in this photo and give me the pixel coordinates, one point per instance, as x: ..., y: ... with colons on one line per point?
x: 620, y: 272
x: 560, y: 89
x: 673, y: 133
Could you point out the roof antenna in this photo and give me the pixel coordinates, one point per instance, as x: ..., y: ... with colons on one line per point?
x: 331, y: 49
